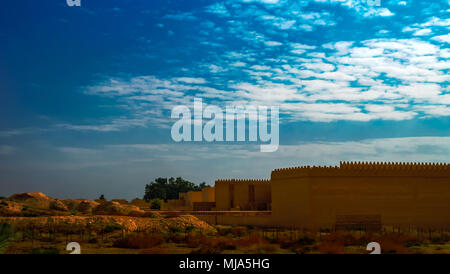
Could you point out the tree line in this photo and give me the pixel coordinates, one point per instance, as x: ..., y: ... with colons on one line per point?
x: 168, y: 189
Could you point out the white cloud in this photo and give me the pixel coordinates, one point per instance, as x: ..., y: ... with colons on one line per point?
x: 272, y: 43
x: 219, y: 9
x: 383, y: 12
x: 435, y: 22
x: 442, y: 38
x: 258, y: 67
x: 422, y: 32
x: 216, y: 69
x: 190, y: 80
x: 261, y: 1
x: 238, y: 64
x: 403, y: 149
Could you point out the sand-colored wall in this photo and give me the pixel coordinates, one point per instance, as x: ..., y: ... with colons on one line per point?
x: 174, y: 205
x: 235, y: 194
x: 208, y: 194
x: 182, y: 195
x: 222, y: 195
x: 193, y: 196
x: 186, y: 200
x: 403, y: 195
x: 238, y: 219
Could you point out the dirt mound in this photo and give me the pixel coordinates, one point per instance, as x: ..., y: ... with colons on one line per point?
x: 115, y: 208
x: 35, y: 204
x: 120, y: 201
x: 86, y: 206
x: 140, y: 203
x: 34, y: 200
x: 58, y: 205
x: 71, y: 204
x: 28, y: 195
x: 10, y: 208
x: 99, y: 223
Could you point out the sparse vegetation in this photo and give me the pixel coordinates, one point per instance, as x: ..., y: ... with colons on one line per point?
x: 48, y: 250
x: 5, y: 235
x: 155, y: 204
x: 140, y: 241
x: 112, y: 227
x: 225, y: 239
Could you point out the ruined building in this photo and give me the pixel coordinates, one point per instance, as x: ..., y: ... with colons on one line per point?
x: 243, y: 195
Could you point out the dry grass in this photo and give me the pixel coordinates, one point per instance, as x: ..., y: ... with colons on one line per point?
x: 397, y: 243
x: 232, y: 240
x: 330, y: 247
x: 218, y: 244
x: 140, y: 241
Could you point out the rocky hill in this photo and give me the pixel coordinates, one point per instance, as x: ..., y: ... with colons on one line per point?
x: 34, y: 204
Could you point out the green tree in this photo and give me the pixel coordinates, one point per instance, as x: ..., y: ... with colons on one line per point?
x: 165, y: 189
x: 155, y: 204
x: 156, y: 189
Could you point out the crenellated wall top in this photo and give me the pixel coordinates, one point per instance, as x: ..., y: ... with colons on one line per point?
x: 366, y: 169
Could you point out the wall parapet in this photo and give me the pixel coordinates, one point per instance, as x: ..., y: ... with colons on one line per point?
x: 242, y: 181
x: 375, y: 169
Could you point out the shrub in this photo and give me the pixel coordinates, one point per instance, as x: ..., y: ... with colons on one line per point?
x: 288, y: 244
x: 111, y: 228
x: 140, y: 241
x: 215, y: 245
x: 328, y: 247
x: 267, y: 248
x: 252, y: 239
x: 232, y: 231
x: 49, y: 250
x: 344, y: 238
x: 193, y: 241
x: 155, y: 204
x: 172, y: 214
x: 302, y: 250
x: 155, y: 250
x: 437, y: 240
x: 135, y: 213
x: 177, y: 238
x: 306, y: 240
x: 175, y: 229
x: 5, y: 234
x: 31, y: 214
x: 151, y: 214
x: 189, y: 228
x: 396, y: 243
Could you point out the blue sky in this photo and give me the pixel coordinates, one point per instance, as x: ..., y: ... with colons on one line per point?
x: 86, y: 92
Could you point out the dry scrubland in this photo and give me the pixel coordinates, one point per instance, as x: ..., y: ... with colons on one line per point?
x: 35, y: 223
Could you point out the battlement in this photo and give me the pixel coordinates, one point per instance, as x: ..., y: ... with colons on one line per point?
x: 379, y: 169
x: 242, y: 181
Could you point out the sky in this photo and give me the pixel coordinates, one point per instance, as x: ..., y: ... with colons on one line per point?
x: 86, y: 92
